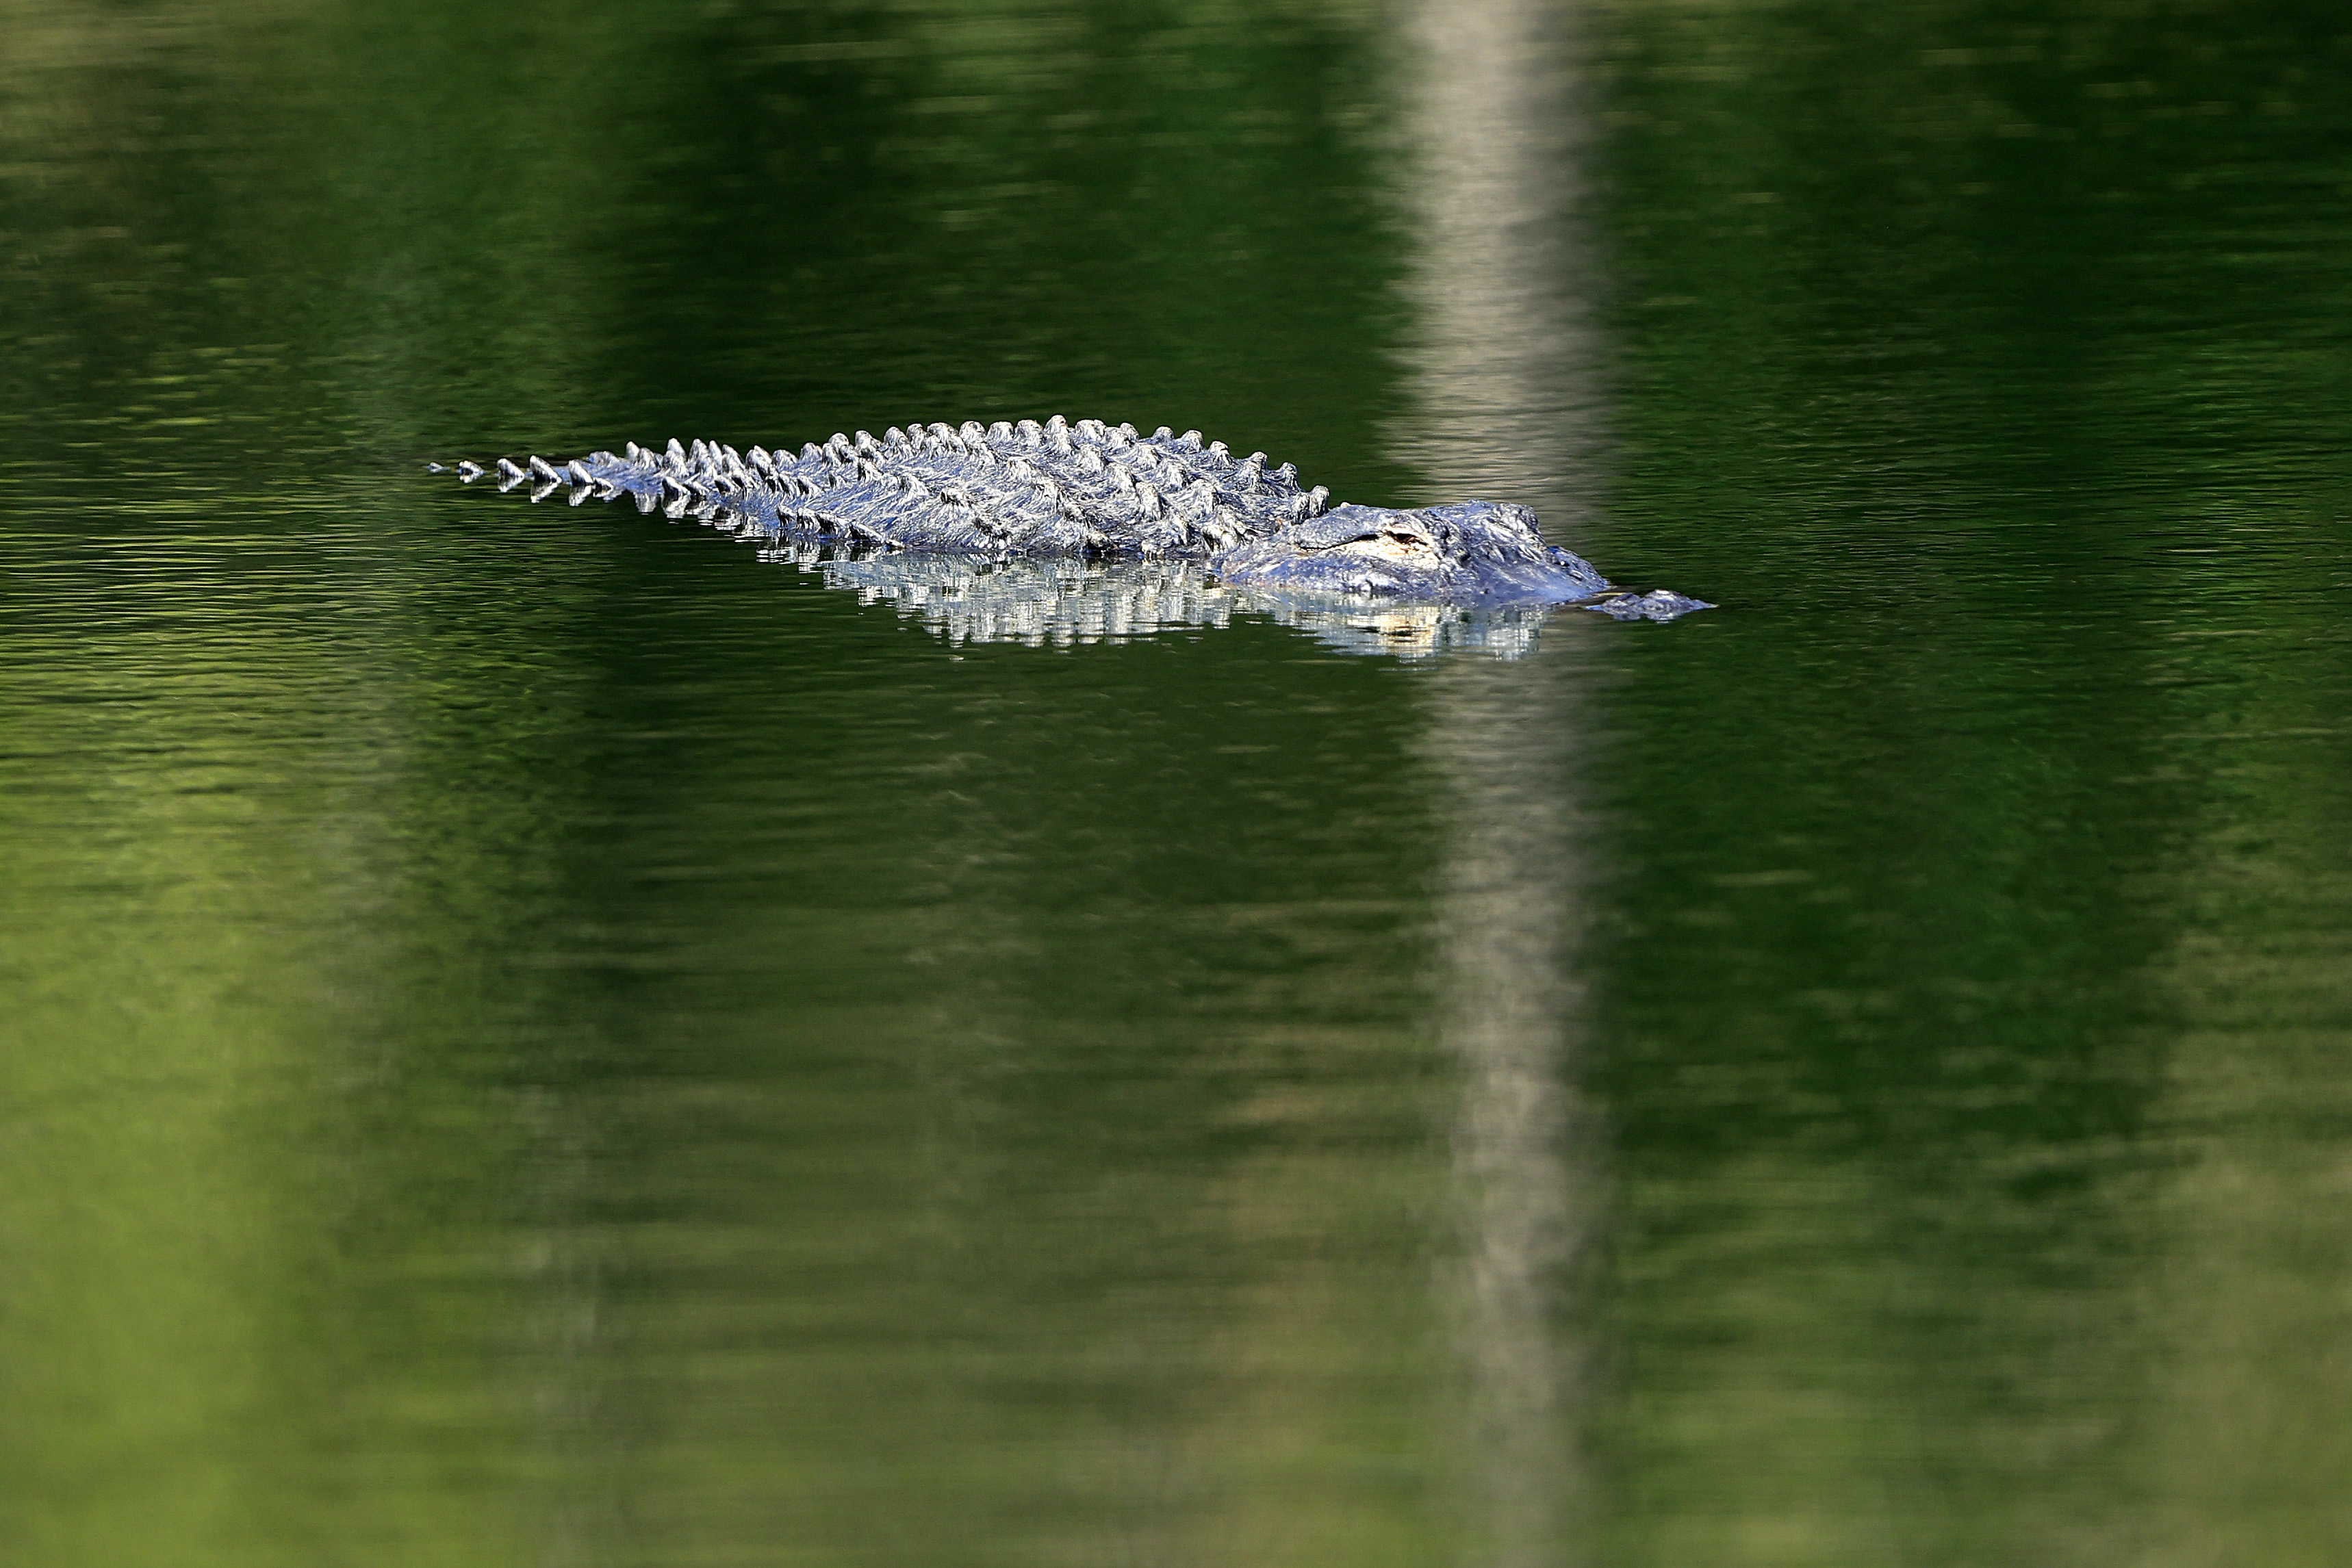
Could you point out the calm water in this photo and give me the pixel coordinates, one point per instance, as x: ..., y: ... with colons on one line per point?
x: 536, y: 1036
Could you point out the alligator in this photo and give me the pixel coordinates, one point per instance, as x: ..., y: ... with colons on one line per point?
x: 1005, y: 491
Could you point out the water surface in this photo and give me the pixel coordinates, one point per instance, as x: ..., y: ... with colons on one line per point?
x: 535, y: 1035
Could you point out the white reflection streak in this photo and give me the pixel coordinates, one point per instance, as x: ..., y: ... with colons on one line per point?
x: 1501, y: 368
x: 1501, y: 347
x: 1509, y: 1008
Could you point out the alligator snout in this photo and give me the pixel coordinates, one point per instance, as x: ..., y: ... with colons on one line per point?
x: 1471, y: 552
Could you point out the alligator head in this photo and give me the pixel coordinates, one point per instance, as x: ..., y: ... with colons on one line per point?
x: 1471, y: 552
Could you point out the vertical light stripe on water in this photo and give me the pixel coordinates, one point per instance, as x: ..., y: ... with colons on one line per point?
x: 1501, y: 377
x: 1500, y: 342
x: 1520, y: 1172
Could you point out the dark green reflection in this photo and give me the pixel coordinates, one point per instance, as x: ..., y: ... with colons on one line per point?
x: 1993, y: 357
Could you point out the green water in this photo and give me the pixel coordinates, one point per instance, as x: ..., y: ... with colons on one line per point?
x: 535, y: 1036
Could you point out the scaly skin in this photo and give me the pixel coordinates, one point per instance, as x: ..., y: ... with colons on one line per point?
x: 1090, y: 489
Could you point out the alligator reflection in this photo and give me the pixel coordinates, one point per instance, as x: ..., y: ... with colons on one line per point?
x: 1064, y: 602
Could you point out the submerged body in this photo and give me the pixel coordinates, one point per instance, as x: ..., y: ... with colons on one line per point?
x: 1001, y: 491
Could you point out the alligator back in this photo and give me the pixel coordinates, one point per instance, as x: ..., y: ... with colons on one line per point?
x: 1026, y: 489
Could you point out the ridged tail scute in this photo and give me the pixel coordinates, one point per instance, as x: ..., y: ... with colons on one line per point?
x: 1033, y: 489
